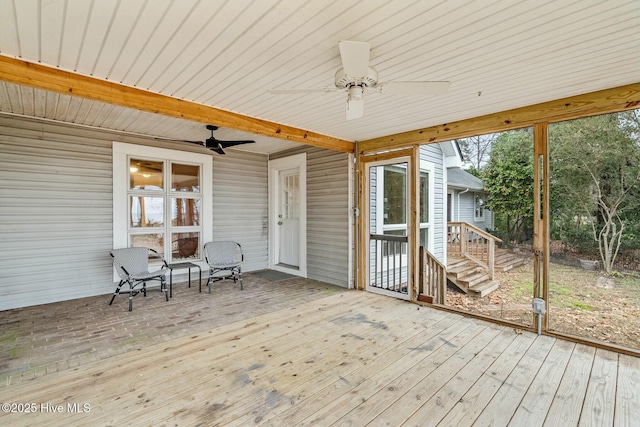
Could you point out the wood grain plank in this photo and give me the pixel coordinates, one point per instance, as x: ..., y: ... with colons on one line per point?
x: 476, y: 398
x: 609, y: 100
x: 331, y: 403
x: 567, y: 403
x: 628, y: 392
x: 226, y: 340
x: 284, y: 366
x: 403, y: 396
x: 437, y: 407
x: 39, y: 76
x: 601, y: 391
x: 321, y: 394
x: 499, y: 410
x: 339, y: 373
x: 535, y: 403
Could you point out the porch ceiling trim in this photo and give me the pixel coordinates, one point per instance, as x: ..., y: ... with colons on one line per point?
x: 600, y: 102
x: 60, y: 81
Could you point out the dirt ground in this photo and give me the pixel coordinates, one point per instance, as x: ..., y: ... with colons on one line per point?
x: 582, y: 302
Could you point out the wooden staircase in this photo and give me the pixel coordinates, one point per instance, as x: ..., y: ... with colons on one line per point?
x: 505, y: 261
x: 473, y: 259
x: 471, y: 277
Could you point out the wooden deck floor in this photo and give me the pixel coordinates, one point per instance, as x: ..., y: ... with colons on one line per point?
x: 349, y: 359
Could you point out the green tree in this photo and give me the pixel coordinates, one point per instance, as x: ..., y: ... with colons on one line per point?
x: 595, y: 174
x: 508, y: 179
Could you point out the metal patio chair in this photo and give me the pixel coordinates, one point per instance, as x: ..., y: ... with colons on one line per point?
x: 132, y: 265
x: 224, y: 259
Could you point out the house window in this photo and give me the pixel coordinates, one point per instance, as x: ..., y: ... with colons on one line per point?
x: 424, y: 195
x: 160, y: 200
x: 479, y: 207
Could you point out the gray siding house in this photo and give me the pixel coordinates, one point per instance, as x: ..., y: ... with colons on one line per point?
x: 466, y: 199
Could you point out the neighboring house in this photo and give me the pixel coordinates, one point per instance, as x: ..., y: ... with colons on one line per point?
x: 466, y: 199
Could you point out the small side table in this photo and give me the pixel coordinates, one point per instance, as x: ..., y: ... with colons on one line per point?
x: 180, y: 265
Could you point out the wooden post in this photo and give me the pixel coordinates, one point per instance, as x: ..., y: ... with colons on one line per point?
x: 414, y: 219
x: 463, y: 238
x: 541, y: 240
x: 492, y: 256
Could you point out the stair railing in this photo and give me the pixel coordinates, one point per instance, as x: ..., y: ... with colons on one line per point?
x: 469, y: 241
x: 433, y: 278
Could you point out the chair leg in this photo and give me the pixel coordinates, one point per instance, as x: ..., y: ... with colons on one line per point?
x: 163, y: 286
x: 116, y: 292
x: 240, y: 276
x: 131, y: 300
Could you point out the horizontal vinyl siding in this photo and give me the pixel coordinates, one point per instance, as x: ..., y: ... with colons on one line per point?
x: 327, y: 214
x: 55, y: 212
x: 240, y: 208
x: 56, y: 209
x: 432, y: 153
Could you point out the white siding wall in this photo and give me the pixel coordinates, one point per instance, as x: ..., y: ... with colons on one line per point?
x: 56, y: 209
x: 432, y: 153
x: 328, y: 202
x: 466, y: 204
x: 240, y: 204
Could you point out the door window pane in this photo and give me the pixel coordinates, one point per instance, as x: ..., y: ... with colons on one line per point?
x: 146, y: 175
x: 424, y: 197
x: 185, y: 212
x: 146, y: 211
x: 395, y: 191
x: 185, y: 178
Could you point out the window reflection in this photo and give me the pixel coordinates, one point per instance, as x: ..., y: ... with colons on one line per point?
x: 185, y: 246
x: 146, y: 211
x: 151, y: 240
x: 145, y: 175
x: 185, y: 212
x: 185, y: 178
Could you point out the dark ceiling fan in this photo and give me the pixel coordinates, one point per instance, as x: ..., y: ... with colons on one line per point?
x: 216, y: 145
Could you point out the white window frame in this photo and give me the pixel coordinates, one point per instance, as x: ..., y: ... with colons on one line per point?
x: 428, y: 167
x: 477, y: 209
x: 122, y: 152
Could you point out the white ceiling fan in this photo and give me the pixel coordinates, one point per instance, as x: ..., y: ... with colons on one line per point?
x: 356, y: 78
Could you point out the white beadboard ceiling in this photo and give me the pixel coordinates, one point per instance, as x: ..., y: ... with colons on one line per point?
x: 498, y: 55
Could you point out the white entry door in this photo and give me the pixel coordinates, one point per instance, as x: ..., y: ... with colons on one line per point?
x: 289, y: 218
x: 287, y: 214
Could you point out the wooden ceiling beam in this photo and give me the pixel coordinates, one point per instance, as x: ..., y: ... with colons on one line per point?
x: 55, y: 80
x: 600, y: 102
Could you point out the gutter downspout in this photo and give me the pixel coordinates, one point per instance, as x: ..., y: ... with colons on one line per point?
x: 458, y: 204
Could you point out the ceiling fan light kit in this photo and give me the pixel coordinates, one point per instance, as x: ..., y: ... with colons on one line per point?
x: 357, y: 77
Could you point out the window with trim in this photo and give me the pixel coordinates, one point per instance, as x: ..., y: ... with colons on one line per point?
x: 479, y: 207
x: 160, y: 200
x: 394, y: 202
x: 424, y: 195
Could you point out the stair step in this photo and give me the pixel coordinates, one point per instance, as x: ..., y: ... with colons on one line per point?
x: 485, y: 288
x: 474, y: 279
x: 462, y: 269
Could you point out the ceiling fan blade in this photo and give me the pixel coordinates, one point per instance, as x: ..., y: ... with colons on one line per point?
x: 414, y: 88
x: 355, y: 108
x: 355, y: 58
x: 308, y: 90
x: 218, y: 149
x: 225, y: 144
